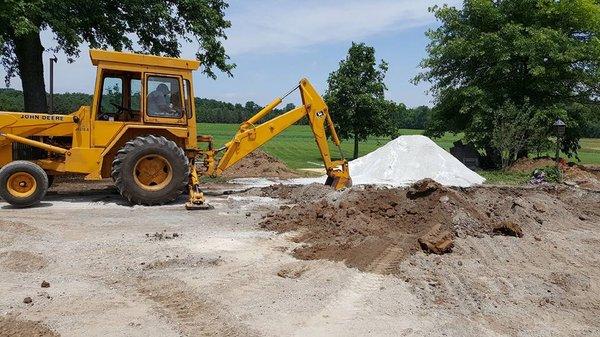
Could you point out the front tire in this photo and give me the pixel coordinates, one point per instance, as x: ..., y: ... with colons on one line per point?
x: 23, y: 183
x: 150, y: 170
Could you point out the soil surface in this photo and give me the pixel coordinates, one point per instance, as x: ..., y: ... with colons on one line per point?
x: 419, y: 261
x: 374, y: 229
x: 13, y: 327
x: 260, y: 164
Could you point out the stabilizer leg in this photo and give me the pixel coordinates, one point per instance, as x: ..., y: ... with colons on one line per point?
x: 196, y: 201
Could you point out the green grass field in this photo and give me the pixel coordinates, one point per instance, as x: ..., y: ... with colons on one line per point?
x: 297, y: 148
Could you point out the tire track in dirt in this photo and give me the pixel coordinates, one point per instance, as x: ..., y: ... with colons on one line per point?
x: 10, y: 231
x: 343, y: 306
x: 188, y: 311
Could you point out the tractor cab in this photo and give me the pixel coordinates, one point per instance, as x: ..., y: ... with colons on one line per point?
x: 145, y: 89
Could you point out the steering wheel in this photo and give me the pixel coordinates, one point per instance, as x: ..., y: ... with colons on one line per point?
x: 120, y: 110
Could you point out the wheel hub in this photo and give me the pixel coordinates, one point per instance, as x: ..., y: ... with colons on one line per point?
x: 153, y: 172
x: 21, y: 185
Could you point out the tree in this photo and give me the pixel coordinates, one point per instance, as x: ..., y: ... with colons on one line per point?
x: 355, y: 96
x: 540, y: 56
x: 158, y: 25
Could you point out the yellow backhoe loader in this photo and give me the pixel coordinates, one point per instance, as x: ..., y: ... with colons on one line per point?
x: 140, y: 130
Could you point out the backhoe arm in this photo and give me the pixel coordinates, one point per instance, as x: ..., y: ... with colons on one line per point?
x: 251, y: 136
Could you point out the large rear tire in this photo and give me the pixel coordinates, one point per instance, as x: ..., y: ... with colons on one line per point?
x: 23, y: 183
x: 150, y: 170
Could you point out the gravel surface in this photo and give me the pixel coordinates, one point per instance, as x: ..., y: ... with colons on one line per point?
x: 115, y: 270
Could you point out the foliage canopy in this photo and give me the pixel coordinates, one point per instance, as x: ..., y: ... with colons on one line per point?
x: 540, y: 57
x: 157, y: 26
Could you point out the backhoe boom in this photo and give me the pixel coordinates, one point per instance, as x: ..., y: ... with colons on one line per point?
x: 251, y: 136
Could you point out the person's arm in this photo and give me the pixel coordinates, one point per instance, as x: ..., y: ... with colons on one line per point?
x: 163, y: 106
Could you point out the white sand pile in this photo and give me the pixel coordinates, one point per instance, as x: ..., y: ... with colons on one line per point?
x: 401, y: 162
x: 408, y: 159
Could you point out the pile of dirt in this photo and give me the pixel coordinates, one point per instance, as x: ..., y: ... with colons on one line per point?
x: 260, y: 164
x: 528, y: 165
x: 581, y: 176
x: 373, y: 229
x: 574, y: 174
x: 21, y: 328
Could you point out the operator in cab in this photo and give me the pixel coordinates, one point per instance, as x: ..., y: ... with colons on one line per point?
x: 159, y: 102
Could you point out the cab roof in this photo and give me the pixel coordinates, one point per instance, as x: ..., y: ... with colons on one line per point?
x: 100, y: 56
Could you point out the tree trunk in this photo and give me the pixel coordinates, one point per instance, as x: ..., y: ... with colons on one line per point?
x: 355, y: 146
x: 29, y: 49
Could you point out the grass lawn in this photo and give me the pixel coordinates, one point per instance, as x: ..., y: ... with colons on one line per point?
x: 297, y: 148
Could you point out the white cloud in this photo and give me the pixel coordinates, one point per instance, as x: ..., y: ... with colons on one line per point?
x: 289, y: 25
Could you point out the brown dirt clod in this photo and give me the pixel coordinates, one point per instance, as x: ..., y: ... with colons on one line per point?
x: 422, y: 188
x: 509, y: 229
x: 436, y: 241
x: 45, y: 284
x: 292, y: 272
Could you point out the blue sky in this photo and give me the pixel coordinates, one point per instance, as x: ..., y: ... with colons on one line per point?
x: 276, y: 42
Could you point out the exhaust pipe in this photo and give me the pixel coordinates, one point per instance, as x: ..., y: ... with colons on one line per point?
x: 53, y: 60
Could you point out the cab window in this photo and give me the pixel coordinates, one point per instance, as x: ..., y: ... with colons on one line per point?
x: 121, y: 97
x: 164, y: 97
x: 136, y: 94
x: 112, y: 95
x: 187, y: 96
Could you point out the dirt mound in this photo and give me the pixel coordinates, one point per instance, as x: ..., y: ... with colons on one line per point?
x: 21, y: 328
x: 373, y: 229
x: 573, y: 174
x: 22, y: 261
x: 581, y: 176
x: 528, y: 165
x: 260, y: 164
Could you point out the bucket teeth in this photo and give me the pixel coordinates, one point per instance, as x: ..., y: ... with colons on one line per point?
x: 338, y: 183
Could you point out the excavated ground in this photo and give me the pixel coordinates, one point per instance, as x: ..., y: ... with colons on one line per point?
x: 421, y: 261
x: 374, y: 229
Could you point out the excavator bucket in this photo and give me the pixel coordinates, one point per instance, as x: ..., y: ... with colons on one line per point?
x: 339, y: 179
